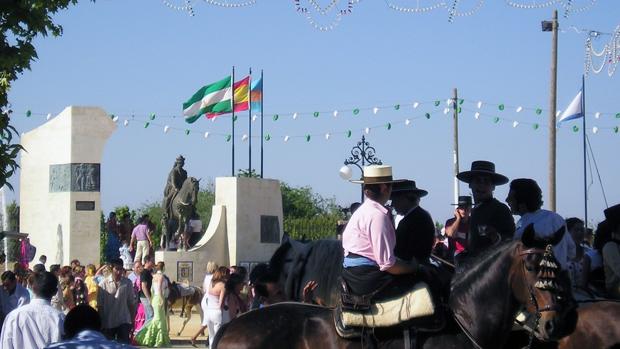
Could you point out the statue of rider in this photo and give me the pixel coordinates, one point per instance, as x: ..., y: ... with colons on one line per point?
x: 175, y: 181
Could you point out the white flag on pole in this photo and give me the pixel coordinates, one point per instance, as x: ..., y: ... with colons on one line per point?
x: 574, y: 109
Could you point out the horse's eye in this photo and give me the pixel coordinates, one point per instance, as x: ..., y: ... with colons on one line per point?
x: 530, y: 268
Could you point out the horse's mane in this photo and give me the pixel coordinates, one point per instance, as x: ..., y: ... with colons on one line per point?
x: 480, y: 269
x: 296, y: 263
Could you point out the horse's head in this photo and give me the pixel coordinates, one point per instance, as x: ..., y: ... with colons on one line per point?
x: 537, y: 283
x: 189, y: 191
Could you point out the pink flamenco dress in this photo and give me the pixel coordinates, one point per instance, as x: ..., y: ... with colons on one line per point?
x: 140, y: 314
x: 154, y: 333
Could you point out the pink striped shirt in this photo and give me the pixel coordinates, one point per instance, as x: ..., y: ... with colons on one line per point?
x: 370, y: 234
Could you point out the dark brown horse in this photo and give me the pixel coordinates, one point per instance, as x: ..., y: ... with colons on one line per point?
x: 483, y: 302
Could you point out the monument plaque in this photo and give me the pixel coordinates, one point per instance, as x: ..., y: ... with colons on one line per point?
x: 185, y: 271
x: 84, y: 205
x: 269, y: 229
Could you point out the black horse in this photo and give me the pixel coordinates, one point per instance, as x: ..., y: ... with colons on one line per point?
x: 483, y: 303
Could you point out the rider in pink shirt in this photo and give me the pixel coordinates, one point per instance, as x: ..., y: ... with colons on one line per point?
x: 370, y: 265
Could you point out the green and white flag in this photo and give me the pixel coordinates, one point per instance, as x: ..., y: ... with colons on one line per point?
x: 210, y: 99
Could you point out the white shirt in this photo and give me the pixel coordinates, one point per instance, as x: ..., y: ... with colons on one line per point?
x: 32, y: 326
x: 545, y: 224
x: 20, y: 297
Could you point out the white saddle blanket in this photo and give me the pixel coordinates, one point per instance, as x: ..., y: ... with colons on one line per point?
x: 415, y: 304
x: 186, y: 290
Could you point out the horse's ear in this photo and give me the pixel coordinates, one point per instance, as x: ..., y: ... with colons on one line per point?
x: 529, y: 236
x: 199, y: 180
x: 558, y: 236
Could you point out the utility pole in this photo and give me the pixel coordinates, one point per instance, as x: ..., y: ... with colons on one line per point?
x: 552, y: 26
x: 455, y: 151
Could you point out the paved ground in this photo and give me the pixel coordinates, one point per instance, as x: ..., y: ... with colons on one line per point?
x: 183, y: 341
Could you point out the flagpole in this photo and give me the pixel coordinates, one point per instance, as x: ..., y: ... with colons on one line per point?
x: 232, y: 103
x: 585, y: 180
x: 250, y: 124
x: 261, y: 122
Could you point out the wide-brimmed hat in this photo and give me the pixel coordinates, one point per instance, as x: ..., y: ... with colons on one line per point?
x: 464, y: 201
x: 612, y: 215
x: 377, y: 174
x: 408, y: 186
x: 482, y: 168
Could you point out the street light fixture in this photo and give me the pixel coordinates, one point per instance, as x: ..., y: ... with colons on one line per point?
x: 362, y: 154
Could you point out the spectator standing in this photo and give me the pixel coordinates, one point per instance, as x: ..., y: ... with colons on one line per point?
x: 57, y: 299
x: 83, y: 331
x: 215, y: 295
x: 154, y: 333
x: 146, y: 281
x: 42, y: 261
x: 13, y: 294
x: 91, y: 286
x: 142, y: 236
x: 206, y: 285
x: 36, y: 324
x: 116, y: 304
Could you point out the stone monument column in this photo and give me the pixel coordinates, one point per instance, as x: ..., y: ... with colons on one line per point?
x: 60, y: 194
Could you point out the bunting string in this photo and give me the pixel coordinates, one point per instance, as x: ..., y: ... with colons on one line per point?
x: 497, y: 113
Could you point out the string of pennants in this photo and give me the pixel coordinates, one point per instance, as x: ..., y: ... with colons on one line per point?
x: 495, y: 112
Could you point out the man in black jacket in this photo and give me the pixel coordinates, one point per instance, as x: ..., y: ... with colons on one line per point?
x: 415, y: 232
x: 491, y: 221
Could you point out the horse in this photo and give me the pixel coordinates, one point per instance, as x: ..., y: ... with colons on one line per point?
x: 595, y: 326
x: 482, y: 305
x: 183, y: 205
x: 188, y: 301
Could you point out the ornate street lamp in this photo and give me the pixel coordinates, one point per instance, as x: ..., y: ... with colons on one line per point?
x: 362, y: 155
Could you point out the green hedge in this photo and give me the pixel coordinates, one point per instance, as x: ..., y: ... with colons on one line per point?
x: 315, y: 228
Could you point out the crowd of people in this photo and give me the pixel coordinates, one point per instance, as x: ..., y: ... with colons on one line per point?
x: 127, y: 300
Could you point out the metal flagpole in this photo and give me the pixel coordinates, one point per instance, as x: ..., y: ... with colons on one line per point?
x: 250, y: 124
x: 262, y: 83
x: 585, y: 180
x: 455, y: 150
x: 232, y: 103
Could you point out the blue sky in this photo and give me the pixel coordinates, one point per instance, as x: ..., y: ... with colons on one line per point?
x: 134, y: 58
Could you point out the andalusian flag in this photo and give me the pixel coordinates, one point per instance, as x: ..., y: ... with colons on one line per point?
x: 210, y: 99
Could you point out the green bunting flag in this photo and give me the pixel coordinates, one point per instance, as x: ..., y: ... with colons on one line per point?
x: 356, y: 111
x: 275, y: 117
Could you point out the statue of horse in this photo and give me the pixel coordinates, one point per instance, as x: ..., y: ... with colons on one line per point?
x: 183, y: 205
x: 483, y: 302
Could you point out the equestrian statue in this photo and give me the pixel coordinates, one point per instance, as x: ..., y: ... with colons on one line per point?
x: 179, y: 204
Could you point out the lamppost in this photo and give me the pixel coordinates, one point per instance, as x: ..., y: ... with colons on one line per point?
x: 362, y: 154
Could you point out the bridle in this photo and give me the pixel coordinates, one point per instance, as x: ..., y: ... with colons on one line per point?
x: 546, y: 281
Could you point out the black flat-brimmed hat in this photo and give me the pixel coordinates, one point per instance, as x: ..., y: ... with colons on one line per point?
x: 482, y: 168
x: 612, y: 215
x: 408, y: 186
x: 377, y: 174
x: 464, y: 201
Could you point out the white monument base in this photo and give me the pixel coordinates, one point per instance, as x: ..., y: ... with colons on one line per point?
x: 245, y: 228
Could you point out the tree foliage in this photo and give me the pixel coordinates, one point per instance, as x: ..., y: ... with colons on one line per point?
x: 21, y: 21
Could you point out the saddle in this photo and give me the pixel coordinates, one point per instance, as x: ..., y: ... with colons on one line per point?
x: 414, y: 310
